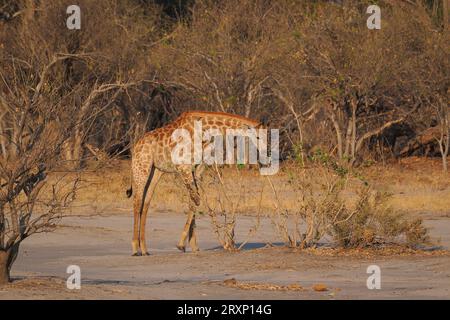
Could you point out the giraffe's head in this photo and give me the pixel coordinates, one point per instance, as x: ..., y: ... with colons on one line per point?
x: 263, y: 146
x: 217, y: 137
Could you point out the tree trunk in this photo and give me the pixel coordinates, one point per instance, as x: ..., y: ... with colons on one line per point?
x: 338, y: 135
x: 445, y: 9
x: 73, y: 152
x: 77, y: 150
x: 443, y: 147
x: 4, y: 267
x: 7, y: 258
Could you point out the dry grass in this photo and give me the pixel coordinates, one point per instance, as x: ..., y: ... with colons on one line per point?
x: 373, y: 222
x: 42, y: 287
x: 319, y: 287
x: 370, y: 253
x: 37, y: 283
x: 417, y: 185
x: 233, y: 283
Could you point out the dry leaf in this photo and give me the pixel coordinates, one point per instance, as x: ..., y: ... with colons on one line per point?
x: 320, y: 287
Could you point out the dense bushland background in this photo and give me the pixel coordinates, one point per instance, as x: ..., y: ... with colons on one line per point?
x: 342, y: 96
x: 310, y: 68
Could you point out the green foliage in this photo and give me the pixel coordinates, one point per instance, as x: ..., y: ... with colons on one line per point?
x: 323, y: 158
x: 298, y: 154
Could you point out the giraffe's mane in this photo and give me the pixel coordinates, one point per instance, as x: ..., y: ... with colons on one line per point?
x: 214, y: 113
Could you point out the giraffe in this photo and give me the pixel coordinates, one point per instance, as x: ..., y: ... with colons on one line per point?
x: 151, y: 158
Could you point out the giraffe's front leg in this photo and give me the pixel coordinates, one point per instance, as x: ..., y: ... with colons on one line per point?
x: 189, y: 181
x: 193, y: 235
x: 189, y: 232
x: 182, y: 243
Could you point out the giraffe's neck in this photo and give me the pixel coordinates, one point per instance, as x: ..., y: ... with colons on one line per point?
x: 218, y: 120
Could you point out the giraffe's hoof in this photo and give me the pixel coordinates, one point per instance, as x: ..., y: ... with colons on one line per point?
x: 195, y: 250
x: 181, y: 248
x: 145, y: 253
x: 136, y: 254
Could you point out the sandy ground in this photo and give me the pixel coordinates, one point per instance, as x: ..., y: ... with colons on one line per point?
x: 98, y: 241
x: 100, y: 245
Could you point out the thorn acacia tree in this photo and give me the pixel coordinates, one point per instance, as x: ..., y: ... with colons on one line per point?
x: 434, y: 87
x: 443, y: 114
x: 54, y: 85
x: 367, y: 79
x: 33, y: 127
x: 94, y: 66
x: 218, y: 58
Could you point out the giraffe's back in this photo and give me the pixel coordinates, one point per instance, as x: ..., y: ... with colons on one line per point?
x: 156, y: 146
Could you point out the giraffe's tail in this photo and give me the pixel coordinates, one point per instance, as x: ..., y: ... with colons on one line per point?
x: 130, y: 192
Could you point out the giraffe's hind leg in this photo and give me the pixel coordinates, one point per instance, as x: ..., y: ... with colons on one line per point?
x: 151, y: 190
x: 135, y: 240
x: 142, y: 177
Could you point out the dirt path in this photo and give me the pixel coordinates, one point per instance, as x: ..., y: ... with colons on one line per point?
x: 100, y: 246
